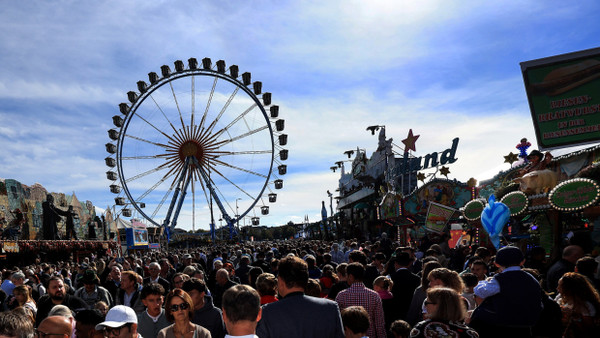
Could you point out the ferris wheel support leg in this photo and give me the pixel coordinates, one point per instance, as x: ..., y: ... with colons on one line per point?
x: 214, y: 195
x: 176, y: 194
x: 180, y: 202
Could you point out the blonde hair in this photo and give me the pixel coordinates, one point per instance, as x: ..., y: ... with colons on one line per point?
x: 450, y: 306
x: 383, y: 282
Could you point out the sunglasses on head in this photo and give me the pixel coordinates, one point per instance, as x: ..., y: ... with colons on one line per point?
x: 182, y: 306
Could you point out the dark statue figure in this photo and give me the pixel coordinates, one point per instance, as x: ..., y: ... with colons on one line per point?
x: 71, y: 216
x: 51, y: 216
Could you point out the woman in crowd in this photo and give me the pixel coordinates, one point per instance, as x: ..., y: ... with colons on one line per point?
x: 179, y: 309
x: 23, y: 297
x: 266, y: 285
x: 580, y: 305
x: 444, y: 317
x: 415, y: 311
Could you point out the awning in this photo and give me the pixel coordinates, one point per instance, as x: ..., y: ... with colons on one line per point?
x: 361, y: 205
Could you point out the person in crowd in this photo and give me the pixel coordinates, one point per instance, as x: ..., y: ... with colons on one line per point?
x: 154, y: 276
x: 166, y: 269
x: 588, y: 267
x: 242, y: 269
x: 479, y: 268
x: 295, y: 314
x: 102, y: 307
x: 356, y: 322
x: 375, y: 269
x: 550, y: 323
x: 153, y: 319
x: 313, y: 288
x: 404, y: 284
x: 55, y: 326
x: 7, y: 284
x: 85, y: 323
x: 112, y: 283
x: 382, y: 285
x: 328, y: 278
x: 341, y: 283
x: 121, y: 321
x: 62, y: 310
x: 266, y: 285
x: 180, y: 310
x: 253, y: 275
x: 261, y: 263
x: 353, y: 247
x: 415, y: 310
x: 537, y: 260
x: 241, y: 311
x: 14, y: 325
x: 400, y: 329
x: 327, y: 261
x: 445, y: 316
x: 481, y: 253
x: 23, y: 298
x: 91, y: 292
x: 129, y: 294
x: 178, y: 279
x: 337, y: 256
x: 205, y: 313
x: 510, y: 303
x: 470, y: 281
x: 442, y: 277
x: 222, y: 284
x: 313, y: 270
x: 57, y: 296
x: 580, y: 306
x: 570, y: 255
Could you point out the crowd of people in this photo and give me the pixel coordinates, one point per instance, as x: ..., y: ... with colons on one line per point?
x: 307, y: 289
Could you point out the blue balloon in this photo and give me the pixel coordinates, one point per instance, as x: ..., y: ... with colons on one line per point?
x: 494, y: 217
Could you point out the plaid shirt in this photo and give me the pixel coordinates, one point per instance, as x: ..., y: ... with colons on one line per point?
x: 359, y: 295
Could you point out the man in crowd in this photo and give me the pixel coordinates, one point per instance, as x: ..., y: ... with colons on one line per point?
x: 222, y: 284
x: 91, y: 292
x: 295, y: 314
x: 85, y: 324
x: 153, y: 319
x: 510, y: 303
x: 57, y: 295
x: 55, y: 326
x: 120, y: 322
x: 113, y: 281
x: 570, y: 255
x: 129, y: 294
x: 15, y: 325
x: 241, y: 311
x: 480, y: 269
x: 154, y: 272
x: 359, y: 295
x: 205, y: 313
x: 405, y: 283
x: 337, y: 255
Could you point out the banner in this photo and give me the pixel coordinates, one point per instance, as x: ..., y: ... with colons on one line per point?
x: 562, y: 92
x: 437, y: 216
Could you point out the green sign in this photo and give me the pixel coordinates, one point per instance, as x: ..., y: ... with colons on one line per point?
x: 516, y: 202
x: 473, y: 210
x: 563, y: 97
x: 574, y: 194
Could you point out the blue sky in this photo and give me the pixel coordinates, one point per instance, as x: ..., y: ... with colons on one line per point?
x: 445, y: 69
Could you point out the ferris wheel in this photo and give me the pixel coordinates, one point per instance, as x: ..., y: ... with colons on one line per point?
x: 197, y: 144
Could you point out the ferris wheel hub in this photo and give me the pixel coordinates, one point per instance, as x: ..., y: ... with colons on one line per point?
x: 191, y: 148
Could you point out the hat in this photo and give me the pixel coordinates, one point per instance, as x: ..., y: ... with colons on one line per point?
x: 509, y: 256
x: 89, y: 277
x: 118, y: 316
x: 535, y: 153
x: 187, y: 256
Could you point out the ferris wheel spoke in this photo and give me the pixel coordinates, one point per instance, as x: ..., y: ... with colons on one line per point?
x: 162, y: 201
x: 163, y: 114
x: 150, y: 142
x: 214, y: 122
x: 144, y: 157
x: 239, y: 117
x: 177, y: 104
x: 193, y: 99
x: 208, y: 102
x: 240, y: 169
x: 146, y: 173
x: 232, y: 183
x: 249, y: 152
x: 249, y: 133
x: 153, y: 126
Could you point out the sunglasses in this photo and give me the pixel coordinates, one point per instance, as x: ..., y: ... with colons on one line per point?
x: 182, y: 306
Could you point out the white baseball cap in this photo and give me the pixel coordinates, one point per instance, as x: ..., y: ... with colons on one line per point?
x: 118, y: 316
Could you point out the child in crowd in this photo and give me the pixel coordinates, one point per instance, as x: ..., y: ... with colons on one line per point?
x: 400, y: 329
x: 356, y: 321
x: 382, y: 285
x: 470, y: 280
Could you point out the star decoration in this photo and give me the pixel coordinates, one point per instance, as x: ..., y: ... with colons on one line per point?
x: 409, y: 141
x: 421, y: 177
x: 511, y: 158
x: 444, y: 171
